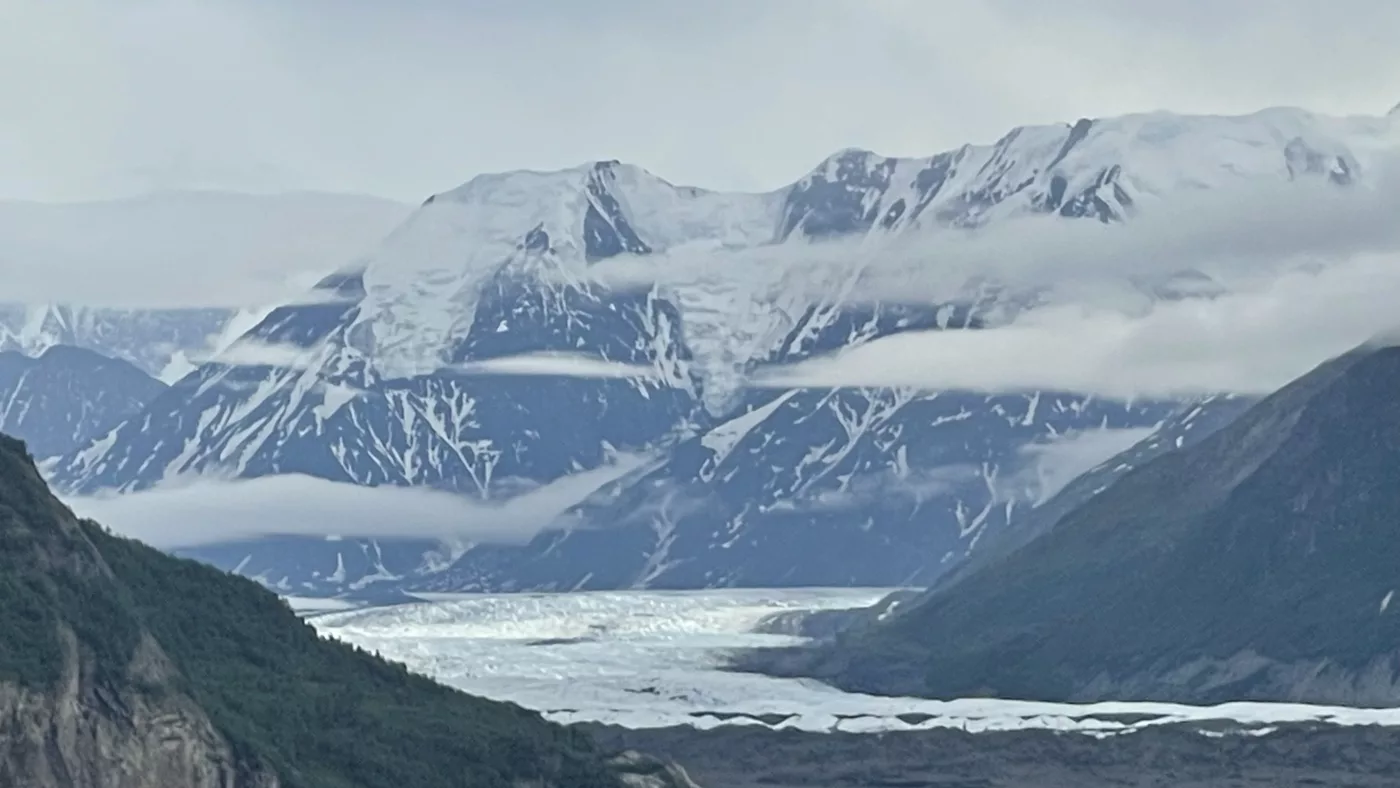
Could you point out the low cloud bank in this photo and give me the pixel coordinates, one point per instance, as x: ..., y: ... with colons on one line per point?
x: 1251, y: 340
x: 556, y: 365
x: 1246, y: 342
x: 209, y: 511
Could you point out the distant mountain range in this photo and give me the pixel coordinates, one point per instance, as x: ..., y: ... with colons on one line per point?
x: 118, y: 276
x: 376, y: 379
x: 159, y: 342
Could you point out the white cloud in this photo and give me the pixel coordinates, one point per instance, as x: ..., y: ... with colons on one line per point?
x: 1237, y: 234
x: 1051, y: 464
x: 250, y: 352
x: 1296, y: 273
x: 1247, y: 342
x: 405, y: 99
x: 556, y: 364
x: 207, y: 511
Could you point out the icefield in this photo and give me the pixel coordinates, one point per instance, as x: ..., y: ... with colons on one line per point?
x: 649, y: 659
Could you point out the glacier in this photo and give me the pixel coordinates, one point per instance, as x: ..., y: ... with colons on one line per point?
x: 656, y: 659
x: 375, y: 378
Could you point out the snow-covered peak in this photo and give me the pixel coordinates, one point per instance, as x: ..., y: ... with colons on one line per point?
x: 645, y: 213
x: 1097, y: 168
x: 423, y: 282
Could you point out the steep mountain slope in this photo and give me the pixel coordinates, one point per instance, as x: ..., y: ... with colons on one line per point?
x: 379, y: 380
x: 1256, y: 565
x: 68, y: 397
x: 810, y: 488
x: 88, y: 697
x: 1188, y: 426
x: 124, y: 667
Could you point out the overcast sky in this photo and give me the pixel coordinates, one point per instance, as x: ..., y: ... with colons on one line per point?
x: 108, y: 98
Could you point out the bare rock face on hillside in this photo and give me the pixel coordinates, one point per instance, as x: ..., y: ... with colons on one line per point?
x: 122, y: 667
x: 82, y: 734
x: 70, y: 714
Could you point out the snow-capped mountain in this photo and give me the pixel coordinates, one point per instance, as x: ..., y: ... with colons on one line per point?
x: 815, y: 487
x: 377, y: 379
x: 67, y: 397
x: 162, y: 342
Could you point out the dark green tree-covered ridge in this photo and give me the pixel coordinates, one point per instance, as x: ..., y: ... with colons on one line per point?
x: 319, y: 713
x: 1260, y: 564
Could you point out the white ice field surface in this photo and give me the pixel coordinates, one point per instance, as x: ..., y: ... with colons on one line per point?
x: 648, y: 659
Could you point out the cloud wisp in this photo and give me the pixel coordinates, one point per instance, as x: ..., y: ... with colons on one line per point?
x: 1051, y: 464
x: 250, y: 352
x: 1249, y: 342
x: 1234, y: 234
x: 212, y: 511
x: 1284, y: 277
x: 548, y: 364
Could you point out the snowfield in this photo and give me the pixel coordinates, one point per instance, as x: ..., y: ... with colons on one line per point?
x: 651, y: 659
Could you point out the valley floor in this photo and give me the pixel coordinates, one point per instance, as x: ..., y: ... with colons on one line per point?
x: 643, y: 670
x: 1295, y: 756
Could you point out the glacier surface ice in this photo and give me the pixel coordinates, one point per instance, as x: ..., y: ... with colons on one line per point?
x: 650, y: 659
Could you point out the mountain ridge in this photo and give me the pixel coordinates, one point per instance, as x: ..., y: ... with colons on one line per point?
x: 68, y: 396
x: 1251, y: 566
x: 374, y: 392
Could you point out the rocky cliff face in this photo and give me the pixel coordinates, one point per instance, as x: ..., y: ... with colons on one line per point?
x: 122, y: 667
x: 88, y: 698
x: 81, y: 733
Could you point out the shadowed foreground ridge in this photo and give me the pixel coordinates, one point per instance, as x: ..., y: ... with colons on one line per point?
x: 1256, y: 565
x: 123, y: 667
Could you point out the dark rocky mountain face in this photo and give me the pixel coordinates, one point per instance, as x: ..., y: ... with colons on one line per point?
x: 121, y: 667
x: 1192, y: 423
x: 68, y: 397
x: 1256, y: 565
